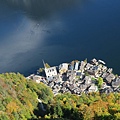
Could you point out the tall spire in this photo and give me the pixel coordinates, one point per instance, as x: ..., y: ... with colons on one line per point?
x: 44, y: 64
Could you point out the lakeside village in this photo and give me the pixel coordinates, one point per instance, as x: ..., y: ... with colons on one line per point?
x: 79, y: 77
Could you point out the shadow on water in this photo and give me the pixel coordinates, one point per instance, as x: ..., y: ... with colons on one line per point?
x: 39, y: 9
x: 28, y: 24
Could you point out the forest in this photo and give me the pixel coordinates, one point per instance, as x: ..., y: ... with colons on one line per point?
x: 19, y: 101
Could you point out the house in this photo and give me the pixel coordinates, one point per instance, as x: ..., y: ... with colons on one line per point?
x: 104, y: 75
x: 50, y: 72
x: 104, y: 85
x: 88, y: 66
x: 110, y: 77
x: 82, y: 65
x: 79, y: 74
x: 77, y: 65
x: 71, y: 75
x: 94, y: 61
x: 71, y: 66
x: 116, y: 83
x: 63, y: 68
x: 87, y: 80
x: 93, y: 88
x: 51, y: 84
x: 104, y: 69
x: 91, y: 72
x: 83, y: 87
x: 110, y: 70
x: 37, y: 78
x: 107, y: 90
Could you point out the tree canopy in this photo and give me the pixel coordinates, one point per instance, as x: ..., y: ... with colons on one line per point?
x: 19, y: 101
x: 18, y: 96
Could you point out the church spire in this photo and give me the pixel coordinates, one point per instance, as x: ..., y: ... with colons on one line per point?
x: 44, y: 64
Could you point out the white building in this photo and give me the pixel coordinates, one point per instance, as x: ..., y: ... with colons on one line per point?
x: 36, y: 78
x: 50, y: 72
x: 63, y: 68
x: 77, y: 65
x: 93, y: 88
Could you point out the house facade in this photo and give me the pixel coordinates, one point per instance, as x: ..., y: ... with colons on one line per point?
x: 50, y: 72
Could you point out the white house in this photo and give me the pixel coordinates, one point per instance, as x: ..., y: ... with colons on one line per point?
x: 50, y: 72
x: 63, y: 68
x: 77, y: 65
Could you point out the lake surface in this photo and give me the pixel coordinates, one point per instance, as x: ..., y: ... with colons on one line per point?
x: 58, y: 31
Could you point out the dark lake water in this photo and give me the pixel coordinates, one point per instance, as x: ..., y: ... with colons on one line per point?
x: 58, y: 31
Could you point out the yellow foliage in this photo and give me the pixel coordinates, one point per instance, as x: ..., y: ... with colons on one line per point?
x: 114, y: 109
x: 83, y: 108
x: 64, y: 99
x: 117, y: 116
x: 99, y: 107
x: 74, y: 105
x: 11, y: 107
x: 110, y: 98
x: 1, y: 112
x: 118, y: 101
x: 30, y: 106
x: 61, y: 102
x: 47, y: 116
x: 89, y: 114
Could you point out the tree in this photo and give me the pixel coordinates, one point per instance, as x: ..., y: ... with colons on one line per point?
x: 58, y: 110
x: 47, y: 65
x: 100, y: 82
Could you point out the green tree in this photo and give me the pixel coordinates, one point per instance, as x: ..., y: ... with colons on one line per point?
x: 58, y: 110
x: 100, y: 82
x: 47, y: 65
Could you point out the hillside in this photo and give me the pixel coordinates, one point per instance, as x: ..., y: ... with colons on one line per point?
x: 20, y: 99
x: 93, y: 106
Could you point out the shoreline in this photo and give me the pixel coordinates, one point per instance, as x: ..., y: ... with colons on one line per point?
x: 79, y: 77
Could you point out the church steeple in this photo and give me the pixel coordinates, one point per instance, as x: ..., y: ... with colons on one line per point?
x: 44, y: 64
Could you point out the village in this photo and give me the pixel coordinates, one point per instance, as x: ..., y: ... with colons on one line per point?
x: 79, y: 77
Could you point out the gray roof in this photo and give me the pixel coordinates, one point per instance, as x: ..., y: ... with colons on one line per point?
x: 116, y: 82
x: 93, y: 88
x: 87, y: 80
x: 107, y: 90
x: 83, y: 87
x: 110, y: 77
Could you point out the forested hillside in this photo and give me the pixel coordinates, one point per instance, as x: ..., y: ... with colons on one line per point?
x: 18, y: 97
x: 86, y: 107
x: 19, y: 101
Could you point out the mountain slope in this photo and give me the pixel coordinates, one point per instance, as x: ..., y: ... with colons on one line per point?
x: 18, y: 96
